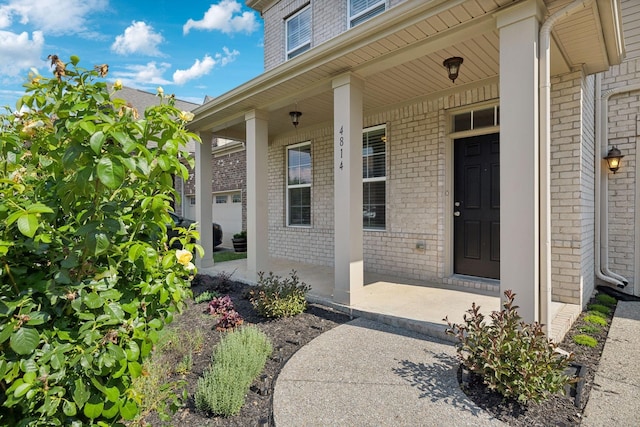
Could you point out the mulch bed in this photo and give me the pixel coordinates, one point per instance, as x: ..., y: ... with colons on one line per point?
x: 290, y: 334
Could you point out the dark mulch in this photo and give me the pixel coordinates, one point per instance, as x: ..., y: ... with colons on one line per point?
x: 289, y: 334
x: 558, y: 410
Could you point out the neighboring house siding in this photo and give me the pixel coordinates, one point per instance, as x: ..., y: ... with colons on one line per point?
x: 228, y: 174
x: 329, y: 19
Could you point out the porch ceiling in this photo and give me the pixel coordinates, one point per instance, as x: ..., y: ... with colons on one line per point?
x: 399, y: 56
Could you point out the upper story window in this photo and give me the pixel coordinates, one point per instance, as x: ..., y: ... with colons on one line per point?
x: 298, y: 29
x: 299, y: 184
x: 374, y: 177
x: 362, y: 10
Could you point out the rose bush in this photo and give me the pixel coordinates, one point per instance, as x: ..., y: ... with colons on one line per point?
x: 87, y: 278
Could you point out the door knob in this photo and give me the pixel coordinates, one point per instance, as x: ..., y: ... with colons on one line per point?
x: 456, y: 213
x: 456, y: 204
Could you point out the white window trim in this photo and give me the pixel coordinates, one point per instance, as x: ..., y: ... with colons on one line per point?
x: 291, y: 51
x: 288, y: 187
x: 378, y: 178
x: 351, y: 18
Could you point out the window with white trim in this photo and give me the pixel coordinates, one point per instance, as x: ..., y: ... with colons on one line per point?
x: 299, y: 184
x: 236, y: 198
x: 362, y: 10
x: 298, y: 32
x: 192, y: 200
x: 220, y: 199
x: 374, y: 177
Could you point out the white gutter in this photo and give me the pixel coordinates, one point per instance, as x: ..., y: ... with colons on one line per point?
x: 602, y: 184
x: 545, y: 156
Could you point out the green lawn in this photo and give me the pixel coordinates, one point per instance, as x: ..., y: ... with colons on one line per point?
x: 222, y: 256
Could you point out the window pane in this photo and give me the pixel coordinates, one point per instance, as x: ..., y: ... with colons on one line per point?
x: 299, y: 33
x: 299, y: 165
x: 362, y: 10
x: 236, y: 198
x: 483, y: 118
x: 374, y: 154
x: 462, y: 122
x: 300, y: 206
x: 221, y: 199
x: 374, y: 197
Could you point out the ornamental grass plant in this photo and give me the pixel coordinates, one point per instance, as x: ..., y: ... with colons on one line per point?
x: 237, y: 360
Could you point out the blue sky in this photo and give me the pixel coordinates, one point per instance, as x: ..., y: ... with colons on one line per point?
x: 191, y: 48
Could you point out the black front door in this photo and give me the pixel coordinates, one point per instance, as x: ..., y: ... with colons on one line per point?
x: 477, y: 206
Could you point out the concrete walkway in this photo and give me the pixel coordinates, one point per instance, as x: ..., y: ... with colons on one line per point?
x: 366, y: 373
x: 615, y: 396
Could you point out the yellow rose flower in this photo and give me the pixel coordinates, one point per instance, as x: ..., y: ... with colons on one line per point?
x: 160, y: 91
x: 186, y: 116
x: 184, y: 257
x: 117, y: 85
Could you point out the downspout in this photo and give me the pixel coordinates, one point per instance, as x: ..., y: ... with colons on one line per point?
x: 601, y: 187
x: 545, y: 156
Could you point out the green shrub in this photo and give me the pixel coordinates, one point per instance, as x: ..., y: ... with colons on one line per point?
x: 598, y: 314
x: 237, y: 360
x: 585, y: 340
x: 589, y: 329
x: 596, y: 319
x: 605, y: 299
x: 276, y: 297
x: 513, y: 358
x: 599, y: 308
x: 87, y: 277
x: 206, y: 296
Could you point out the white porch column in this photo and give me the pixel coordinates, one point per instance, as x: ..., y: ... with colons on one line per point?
x: 257, y: 189
x: 347, y: 143
x: 519, y: 142
x: 204, y: 214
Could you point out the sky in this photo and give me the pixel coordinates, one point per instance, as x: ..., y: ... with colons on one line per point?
x: 190, y: 48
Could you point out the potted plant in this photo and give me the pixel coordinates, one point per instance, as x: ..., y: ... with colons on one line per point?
x: 240, y: 241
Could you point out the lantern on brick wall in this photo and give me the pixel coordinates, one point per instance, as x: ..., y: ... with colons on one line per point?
x: 614, y: 156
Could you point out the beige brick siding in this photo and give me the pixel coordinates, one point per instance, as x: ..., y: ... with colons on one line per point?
x: 416, y: 146
x: 329, y: 19
x: 572, y: 136
x: 623, y: 119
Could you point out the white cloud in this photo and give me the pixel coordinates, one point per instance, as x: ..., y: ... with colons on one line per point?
x: 20, y: 52
x: 51, y: 16
x: 143, y: 75
x: 204, y: 67
x: 224, y: 17
x: 138, y: 38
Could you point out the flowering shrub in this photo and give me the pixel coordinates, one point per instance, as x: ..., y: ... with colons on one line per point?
x: 513, y: 358
x: 276, y: 297
x: 86, y: 276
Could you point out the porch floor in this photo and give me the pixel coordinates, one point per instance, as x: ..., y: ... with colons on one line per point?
x: 410, y: 304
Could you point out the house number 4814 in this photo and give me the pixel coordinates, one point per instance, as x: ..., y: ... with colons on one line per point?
x: 341, y: 142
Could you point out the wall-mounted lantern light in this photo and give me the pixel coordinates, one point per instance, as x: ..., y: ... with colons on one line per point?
x: 295, y: 117
x: 613, y: 159
x: 453, y: 67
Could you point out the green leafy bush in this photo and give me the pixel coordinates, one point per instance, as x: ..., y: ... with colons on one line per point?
x: 238, y: 359
x: 599, y: 308
x: 595, y: 318
x: 276, y: 297
x: 585, y: 340
x: 590, y: 329
x: 87, y: 279
x: 513, y: 358
x: 206, y: 296
x: 605, y: 299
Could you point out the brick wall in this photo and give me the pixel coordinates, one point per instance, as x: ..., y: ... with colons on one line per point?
x: 567, y: 195
x: 413, y: 244
x: 329, y: 19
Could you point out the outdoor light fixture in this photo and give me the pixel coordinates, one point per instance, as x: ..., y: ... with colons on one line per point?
x: 613, y: 158
x: 295, y: 117
x: 453, y: 67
